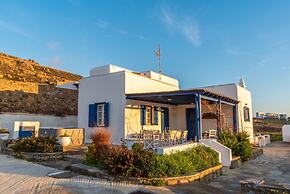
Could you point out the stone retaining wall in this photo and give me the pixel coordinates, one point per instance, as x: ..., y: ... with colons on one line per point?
x: 204, y: 176
x: 258, y: 186
x: 33, y: 156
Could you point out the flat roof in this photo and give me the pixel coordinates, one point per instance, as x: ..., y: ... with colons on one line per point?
x: 177, y: 97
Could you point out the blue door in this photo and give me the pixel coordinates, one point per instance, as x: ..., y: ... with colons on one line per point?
x: 190, y: 123
x: 26, y: 132
x: 164, y: 119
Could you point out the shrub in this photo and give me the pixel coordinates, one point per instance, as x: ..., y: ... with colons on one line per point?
x: 3, y: 130
x: 243, y: 147
x: 228, y: 139
x: 101, y: 137
x: 239, y: 143
x: 184, y: 163
x: 142, y: 160
x: 35, y: 144
x: 98, y: 150
x: 119, y: 161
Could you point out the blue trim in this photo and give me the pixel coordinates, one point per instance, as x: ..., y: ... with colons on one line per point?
x: 106, y: 114
x: 143, y: 115
x: 22, y: 133
x: 92, y: 115
x: 155, y: 112
x: 235, y: 119
x: 197, y: 116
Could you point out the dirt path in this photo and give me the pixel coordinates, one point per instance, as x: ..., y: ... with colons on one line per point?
x: 273, y: 166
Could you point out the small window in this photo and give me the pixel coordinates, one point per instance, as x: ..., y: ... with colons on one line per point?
x: 246, y: 114
x: 148, y: 115
x: 100, y: 114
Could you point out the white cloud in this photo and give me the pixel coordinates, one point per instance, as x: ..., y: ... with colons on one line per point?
x: 123, y: 32
x: 167, y: 17
x: 15, y: 29
x: 191, y: 32
x: 185, y: 25
x: 56, y: 61
x: 102, y: 24
x: 52, y: 45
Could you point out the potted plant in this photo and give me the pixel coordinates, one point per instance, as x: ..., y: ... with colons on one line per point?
x: 4, y: 134
x: 64, y: 140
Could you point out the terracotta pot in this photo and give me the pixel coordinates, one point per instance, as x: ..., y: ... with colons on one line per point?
x: 64, y: 141
x: 4, y: 136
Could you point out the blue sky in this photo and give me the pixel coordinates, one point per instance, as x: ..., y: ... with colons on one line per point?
x: 202, y: 42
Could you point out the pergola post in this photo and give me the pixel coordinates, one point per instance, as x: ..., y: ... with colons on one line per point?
x: 219, y: 110
x: 197, y: 117
x: 235, y: 119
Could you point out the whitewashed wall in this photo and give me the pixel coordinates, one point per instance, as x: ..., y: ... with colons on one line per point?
x: 7, y: 120
x: 108, y: 88
x: 244, y: 96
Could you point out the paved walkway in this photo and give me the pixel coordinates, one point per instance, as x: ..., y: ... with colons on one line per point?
x: 273, y: 166
x: 20, y: 176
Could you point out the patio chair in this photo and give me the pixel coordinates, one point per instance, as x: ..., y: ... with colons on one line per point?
x: 178, y: 136
x: 156, y: 140
x: 184, y: 136
x: 172, y: 134
x: 166, y: 139
x: 212, y: 133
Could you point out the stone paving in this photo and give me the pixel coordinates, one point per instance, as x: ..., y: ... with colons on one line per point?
x: 20, y: 176
x: 273, y: 166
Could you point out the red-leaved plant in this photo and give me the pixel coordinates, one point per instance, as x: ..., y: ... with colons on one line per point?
x: 100, y: 145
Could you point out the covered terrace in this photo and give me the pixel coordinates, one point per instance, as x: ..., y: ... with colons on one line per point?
x: 190, y: 110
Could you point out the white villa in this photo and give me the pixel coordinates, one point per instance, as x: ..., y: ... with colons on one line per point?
x: 127, y: 102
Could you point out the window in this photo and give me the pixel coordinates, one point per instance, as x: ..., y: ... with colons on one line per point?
x: 99, y: 115
x: 246, y: 114
x: 149, y: 115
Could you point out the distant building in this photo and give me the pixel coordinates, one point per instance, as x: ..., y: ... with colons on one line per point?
x: 269, y: 115
x: 283, y: 116
x: 260, y: 115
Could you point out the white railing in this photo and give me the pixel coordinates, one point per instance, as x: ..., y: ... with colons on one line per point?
x: 225, y: 152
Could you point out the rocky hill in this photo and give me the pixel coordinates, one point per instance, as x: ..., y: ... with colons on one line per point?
x: 17, y: 69
x: 28, y: 87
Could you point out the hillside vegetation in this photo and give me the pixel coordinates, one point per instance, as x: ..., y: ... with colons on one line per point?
x: 23, y: 70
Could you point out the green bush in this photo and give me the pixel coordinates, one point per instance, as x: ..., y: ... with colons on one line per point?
x: 184, y: 163
x: 142, y: 160
x: 228, y: 139
x: 120, y: 161
x: 35, y: 144
x: 243, y: 147
x: 239, y: 143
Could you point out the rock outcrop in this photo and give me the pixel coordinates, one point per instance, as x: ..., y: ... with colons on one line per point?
x: 28, y: 87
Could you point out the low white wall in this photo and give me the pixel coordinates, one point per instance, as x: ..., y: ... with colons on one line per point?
x: 286, y: 133
x: 175, y: 148
x: 226, y: 153
x: 7, y: 120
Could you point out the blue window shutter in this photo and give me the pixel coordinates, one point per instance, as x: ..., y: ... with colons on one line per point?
x: 143, y: 115
x: 92, y: 115
x: 106, y: 115
x: 155, y: 116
